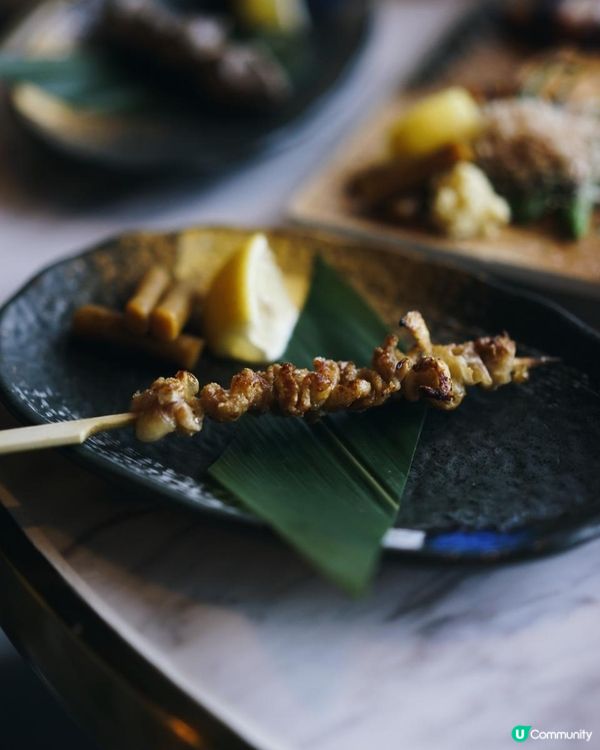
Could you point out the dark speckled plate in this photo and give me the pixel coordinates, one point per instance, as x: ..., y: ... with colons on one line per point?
x: 511, y: 472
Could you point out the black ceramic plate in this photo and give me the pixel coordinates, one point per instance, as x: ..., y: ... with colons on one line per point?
x: 176, y: 136
x: 510, y: 472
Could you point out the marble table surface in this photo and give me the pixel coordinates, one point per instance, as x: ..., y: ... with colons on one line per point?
x: 435, y: 656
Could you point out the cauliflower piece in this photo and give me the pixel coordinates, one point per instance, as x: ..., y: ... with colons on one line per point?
x: 465, y: 204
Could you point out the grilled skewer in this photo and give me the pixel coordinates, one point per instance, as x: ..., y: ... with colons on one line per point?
x: 438, y: 374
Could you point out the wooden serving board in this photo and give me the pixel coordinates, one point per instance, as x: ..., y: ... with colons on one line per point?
x: 530, y: 254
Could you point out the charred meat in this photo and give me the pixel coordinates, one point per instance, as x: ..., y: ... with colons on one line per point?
x: 438, y: 374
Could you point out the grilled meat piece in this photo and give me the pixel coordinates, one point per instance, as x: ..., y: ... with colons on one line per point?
x: 530, y: 143
x: 377, y: 183
x: 169, y: 405
x: 439, y: 374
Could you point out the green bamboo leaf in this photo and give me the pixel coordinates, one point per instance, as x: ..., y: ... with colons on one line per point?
x: 331, y: 489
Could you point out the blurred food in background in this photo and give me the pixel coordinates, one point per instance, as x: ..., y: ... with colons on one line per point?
x: 520, y: 144
x: 217, y: 51
x: 556, y: 20
x: 171, y: 78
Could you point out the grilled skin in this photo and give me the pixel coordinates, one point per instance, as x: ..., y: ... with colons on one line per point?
x: 439, y: 374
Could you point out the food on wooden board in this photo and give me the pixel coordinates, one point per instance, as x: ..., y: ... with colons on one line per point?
x: 375, y: 184
x: 438, y: 374
x: 440, y: 119
x: 533, y: 143
x: 539, y: 158
x: 465, y: 205
x: 544, y: 158
x: 566, y: 76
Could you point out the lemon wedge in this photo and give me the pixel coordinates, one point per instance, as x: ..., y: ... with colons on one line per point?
x: 274, y: 15
x: 248, y: 313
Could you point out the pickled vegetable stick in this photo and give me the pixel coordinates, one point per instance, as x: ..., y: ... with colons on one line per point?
x: 98, y: 323
x: 171, y: 315
x: 150, y: 289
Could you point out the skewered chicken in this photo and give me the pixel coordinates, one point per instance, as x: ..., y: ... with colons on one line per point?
x: 439, y: 374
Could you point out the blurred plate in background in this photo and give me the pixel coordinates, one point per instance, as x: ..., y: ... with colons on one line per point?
x: 511, y: 472
x: 94, y: 110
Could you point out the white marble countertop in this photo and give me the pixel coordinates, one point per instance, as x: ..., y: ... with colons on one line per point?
x: 435, y: 657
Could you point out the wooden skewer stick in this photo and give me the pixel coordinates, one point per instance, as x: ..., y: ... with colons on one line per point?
x: 56, y: 434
